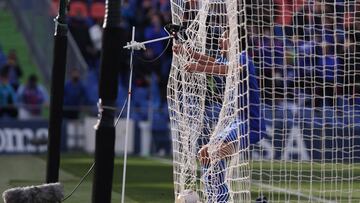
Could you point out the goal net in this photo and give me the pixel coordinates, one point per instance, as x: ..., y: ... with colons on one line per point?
x: 264, y: 100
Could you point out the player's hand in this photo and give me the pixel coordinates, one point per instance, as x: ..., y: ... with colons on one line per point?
x: 203, y: 156
x: 177, y: 48
x: 228, y: 149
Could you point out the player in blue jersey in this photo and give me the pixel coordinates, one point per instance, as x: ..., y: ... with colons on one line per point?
x: 230, y: 137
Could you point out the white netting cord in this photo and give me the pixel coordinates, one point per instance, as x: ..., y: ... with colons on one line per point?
x: 195, y: 100
x: 310, y: 99
x: 238, y: 177
x: 187, y: 122
x: 186, y: 96
x: 306, y: 57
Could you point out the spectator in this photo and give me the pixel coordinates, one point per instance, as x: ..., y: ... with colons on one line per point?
x: 7, y: 96
x: 79, y: 27
x: 2, y: 57
x: 74, y: 95
x: 13, y: 69
x: 95, y: 33
x: 31, y: 97
x: 127, y: 10
x: 286, y: 9
x: 155, y: 30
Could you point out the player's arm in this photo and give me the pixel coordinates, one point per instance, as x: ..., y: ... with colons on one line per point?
x: 204, y: 63
x: 215, y: 68
x: 198, y: 57
x: 210, y: 68
x: 203, y: 59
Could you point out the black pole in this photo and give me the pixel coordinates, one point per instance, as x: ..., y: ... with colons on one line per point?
x: 108, y: 88
x: 57, y: 94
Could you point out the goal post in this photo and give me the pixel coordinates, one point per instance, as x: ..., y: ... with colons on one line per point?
x: 264, y: 100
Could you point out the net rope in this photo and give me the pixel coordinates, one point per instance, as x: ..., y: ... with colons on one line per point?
x: 204, y: 105
x: 264, y: 99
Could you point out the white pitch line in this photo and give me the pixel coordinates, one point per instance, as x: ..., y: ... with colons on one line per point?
x: 292, y: 192
x: 269, y: 187
x: 161, y: 160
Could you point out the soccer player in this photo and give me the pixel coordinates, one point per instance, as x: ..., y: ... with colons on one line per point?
x: 231, y: 141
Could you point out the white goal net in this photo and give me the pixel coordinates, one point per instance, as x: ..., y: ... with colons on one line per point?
x: 264, y: 100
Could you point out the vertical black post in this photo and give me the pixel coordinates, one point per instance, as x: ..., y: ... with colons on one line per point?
x: 108, y: 88
x: 57, y: 94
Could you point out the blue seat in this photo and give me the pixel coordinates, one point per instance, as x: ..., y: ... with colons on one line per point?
x: 122, y: 96
x: 278, y: 31
x: 329, y: 117
x: 160, y: 119
x: 160, y: 129
x: 140, y: 96
x: 92, y: 87
x: 155, y: 99
x: 140, y: 103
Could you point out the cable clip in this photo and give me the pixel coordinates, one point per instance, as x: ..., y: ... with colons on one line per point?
x: 101, y: 108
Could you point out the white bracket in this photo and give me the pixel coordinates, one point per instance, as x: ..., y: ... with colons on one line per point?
x: 141, y: 45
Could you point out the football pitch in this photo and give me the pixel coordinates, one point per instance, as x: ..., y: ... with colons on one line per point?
x: 150, y: 180
x: 147, y: 180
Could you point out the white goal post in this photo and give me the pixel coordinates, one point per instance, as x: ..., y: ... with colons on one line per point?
x: 264, y: 100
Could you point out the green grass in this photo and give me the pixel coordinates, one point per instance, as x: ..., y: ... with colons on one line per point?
x: 337, y: 185
x: 30, y: 170
x: 146, y: 181
x: 151, y: 180
x: 11, y: 38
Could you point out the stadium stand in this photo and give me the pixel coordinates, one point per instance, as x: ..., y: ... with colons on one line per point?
x: 150, y: 78
x: 152, y: 15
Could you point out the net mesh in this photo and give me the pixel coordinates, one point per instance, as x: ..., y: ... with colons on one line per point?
x: 264, y: 99
x: 206, y: 86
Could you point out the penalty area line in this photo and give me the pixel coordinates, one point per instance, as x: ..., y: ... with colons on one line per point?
x: 261, y: 185
x: 291, y: 192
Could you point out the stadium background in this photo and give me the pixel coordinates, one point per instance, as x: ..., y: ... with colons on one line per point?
x: 26, y: 34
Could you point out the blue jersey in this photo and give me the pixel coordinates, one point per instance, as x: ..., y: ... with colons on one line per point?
x: 7, y: 95
x: 250, y: 121
x: 257, y: 129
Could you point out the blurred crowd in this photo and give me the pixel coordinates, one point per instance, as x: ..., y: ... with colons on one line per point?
x: 151, y: 67
x: 19, y: 100
x: 306, y: 50
x: 150, y: 76
x: 311, y: 45
x: 306, y: 47
x: 310, y: 48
